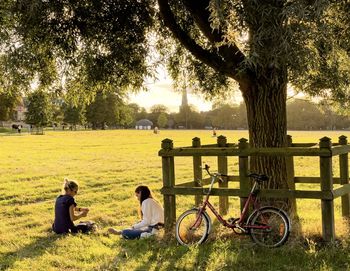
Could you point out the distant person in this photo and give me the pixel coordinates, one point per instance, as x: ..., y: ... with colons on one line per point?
x: 155, y: 130
x: 152, y: 215
x: 19, y: 128
x: 214, y: 132
x: 66, y: 210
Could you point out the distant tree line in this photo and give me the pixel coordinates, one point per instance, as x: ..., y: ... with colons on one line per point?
x: 105, y: 109
x: 305, y: 115
x: 301, y: 115
x: 108, y: 110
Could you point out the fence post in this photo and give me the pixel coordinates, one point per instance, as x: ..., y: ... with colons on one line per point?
x: 222, y: 168
x: 327, y: 206
x: 197, y: 170
x: 344, y: 177
x: 168, y: 169
x: 290, y: 176
x: 244, y: 184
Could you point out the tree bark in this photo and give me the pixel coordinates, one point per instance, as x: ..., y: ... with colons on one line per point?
x: 265, y: 99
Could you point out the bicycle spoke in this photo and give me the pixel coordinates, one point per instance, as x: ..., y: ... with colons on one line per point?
x: 191, y: 228
x: 272, y: 228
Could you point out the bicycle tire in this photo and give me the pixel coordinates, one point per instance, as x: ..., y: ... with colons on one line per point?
x: 189, y: 231
x: 278, y: 232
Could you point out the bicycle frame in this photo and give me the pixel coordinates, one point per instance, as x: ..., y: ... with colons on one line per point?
x: 268, y: 226
x: 252, y: 200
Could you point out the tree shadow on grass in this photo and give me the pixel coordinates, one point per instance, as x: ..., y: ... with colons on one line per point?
x: 31, y: 250
x: 146, y: 254
x: 162, y: 254
x: 228, y: 251
x: 295, y: 255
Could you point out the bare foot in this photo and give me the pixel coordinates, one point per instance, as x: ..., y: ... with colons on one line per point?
x: 114, y: 231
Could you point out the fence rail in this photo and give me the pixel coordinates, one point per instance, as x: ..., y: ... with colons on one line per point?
x: 325, y: 150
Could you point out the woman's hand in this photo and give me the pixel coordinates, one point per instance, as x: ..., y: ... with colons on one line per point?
x: 84, y: 212
x: 82, y: 209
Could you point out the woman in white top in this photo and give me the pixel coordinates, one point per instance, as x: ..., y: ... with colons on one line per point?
x: 152, y: 215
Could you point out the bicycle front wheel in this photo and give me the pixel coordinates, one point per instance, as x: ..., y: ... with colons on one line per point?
x: 270, y: 227
x: 192, y: 228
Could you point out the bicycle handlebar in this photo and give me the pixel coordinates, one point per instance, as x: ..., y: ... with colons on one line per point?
x: 258, y: 177
x: 214, y: 174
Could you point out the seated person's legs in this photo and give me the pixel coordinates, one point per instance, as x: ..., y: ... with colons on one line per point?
x: 132, y: 234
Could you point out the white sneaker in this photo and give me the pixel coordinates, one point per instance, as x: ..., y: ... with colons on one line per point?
x: 146, y: 234
x: 154, y: 231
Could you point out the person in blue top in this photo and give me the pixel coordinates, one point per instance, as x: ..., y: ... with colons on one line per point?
x: 66, y: 210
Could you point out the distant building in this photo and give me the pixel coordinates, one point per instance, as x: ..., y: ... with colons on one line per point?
x: 19, y: 111
x: 184, y: 110
x: 144, y: 124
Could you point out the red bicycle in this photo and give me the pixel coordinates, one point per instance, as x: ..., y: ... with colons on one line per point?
x: 268, y: 226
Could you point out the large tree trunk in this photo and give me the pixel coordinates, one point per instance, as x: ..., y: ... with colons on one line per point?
x: 267, y: 120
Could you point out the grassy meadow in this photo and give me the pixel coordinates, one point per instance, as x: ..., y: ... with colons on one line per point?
x: 108, y: 166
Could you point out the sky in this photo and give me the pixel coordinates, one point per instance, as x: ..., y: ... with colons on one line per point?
x: 161, y: 92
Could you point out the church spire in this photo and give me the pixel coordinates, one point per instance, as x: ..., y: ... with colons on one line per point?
x: 184, y: 102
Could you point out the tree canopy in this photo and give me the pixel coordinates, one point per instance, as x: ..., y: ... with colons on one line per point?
x: 39, y: 109
x: 75, y: 45
x: 245, y: 39
x: 67, y: 44
x: 261, y: 46
x: 7, y: 103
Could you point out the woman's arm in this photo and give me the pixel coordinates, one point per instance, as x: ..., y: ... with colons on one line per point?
x: 80, y: 209
x: 72, y: 214
x: 146, y: 215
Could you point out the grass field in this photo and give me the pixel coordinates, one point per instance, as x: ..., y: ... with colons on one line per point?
x: 108, y: 166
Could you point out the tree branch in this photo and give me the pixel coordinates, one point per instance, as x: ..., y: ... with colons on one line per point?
x: 214, y: 60
x: 201, y: 15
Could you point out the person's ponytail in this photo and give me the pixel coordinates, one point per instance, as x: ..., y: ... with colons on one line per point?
x: 70, y: 184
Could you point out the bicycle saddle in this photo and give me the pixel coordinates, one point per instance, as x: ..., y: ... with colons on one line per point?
x: 260, y: 177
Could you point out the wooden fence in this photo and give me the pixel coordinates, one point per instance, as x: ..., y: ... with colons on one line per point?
x: 325, y: 150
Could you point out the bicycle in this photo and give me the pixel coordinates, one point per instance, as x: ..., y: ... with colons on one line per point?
x: 268, y: 226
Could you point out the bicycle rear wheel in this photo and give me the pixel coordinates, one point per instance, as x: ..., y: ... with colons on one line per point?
x: 192, y: 228
x: 277, y: 231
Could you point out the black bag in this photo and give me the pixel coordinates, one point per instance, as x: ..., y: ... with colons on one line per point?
x: 86, y: 227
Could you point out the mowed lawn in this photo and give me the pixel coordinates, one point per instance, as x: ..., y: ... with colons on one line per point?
x: 108, y: 166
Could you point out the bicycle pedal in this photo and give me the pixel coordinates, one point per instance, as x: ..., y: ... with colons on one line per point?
x: 232, y: 220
